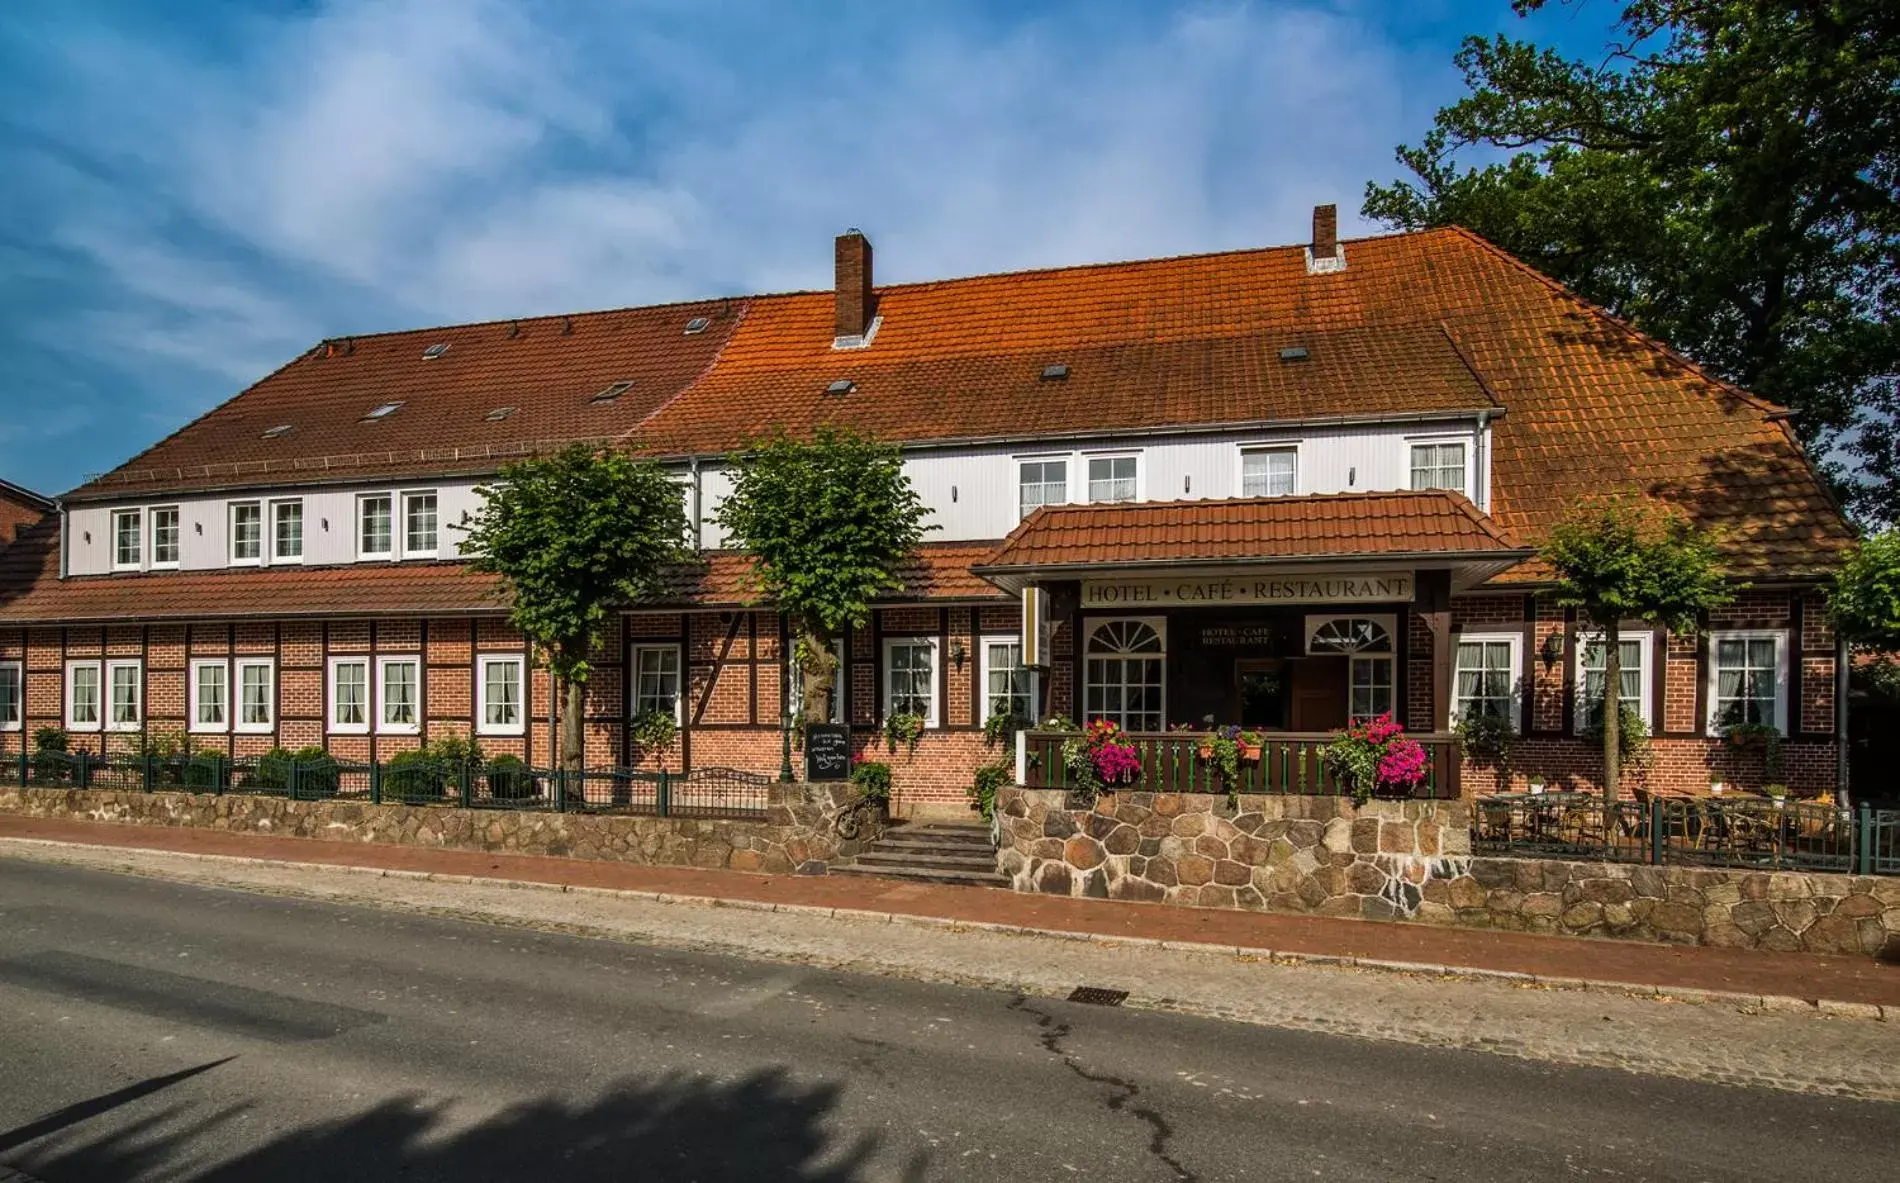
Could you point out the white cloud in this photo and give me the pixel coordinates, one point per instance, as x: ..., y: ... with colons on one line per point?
x: 381, y: 164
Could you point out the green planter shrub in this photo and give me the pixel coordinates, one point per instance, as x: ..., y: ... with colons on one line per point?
x: 509, y: 779
x: 414, y: 776
x: 317, y: 773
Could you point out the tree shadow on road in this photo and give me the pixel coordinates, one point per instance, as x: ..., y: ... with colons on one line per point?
x: 761, y: 1127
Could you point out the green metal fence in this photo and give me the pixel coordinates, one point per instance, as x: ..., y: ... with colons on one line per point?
x: 411, y: 780
x: 1750, y: 833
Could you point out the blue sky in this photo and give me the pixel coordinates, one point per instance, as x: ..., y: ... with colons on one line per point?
x: 197, y: 190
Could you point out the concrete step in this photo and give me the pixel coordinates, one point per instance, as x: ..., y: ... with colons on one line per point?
x: 934, y: 849
x: 924, y: 875
x: 878, y: 856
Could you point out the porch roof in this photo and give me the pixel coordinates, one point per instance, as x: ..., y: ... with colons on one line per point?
x: 1433, y: 529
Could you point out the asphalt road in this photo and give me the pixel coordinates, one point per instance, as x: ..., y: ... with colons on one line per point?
x: 156, y: 1030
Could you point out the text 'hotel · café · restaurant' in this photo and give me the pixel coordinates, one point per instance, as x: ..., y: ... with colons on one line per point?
x: 1281, y: 488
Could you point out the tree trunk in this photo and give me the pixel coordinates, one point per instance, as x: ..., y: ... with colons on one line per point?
x: 1612, y: 713
x: 573, y: 741
x: 817, y: 671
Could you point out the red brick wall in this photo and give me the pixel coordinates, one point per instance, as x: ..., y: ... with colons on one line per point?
x: 16, y: 515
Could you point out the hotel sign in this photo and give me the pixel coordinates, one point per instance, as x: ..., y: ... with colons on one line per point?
x: 1209, y: 591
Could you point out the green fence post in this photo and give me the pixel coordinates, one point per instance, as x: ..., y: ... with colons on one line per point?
x: 1864, y: 830
x: 145, y: 773
x: 1658, y: 832
x: 26, y: 766
x: 290, y: 781
x: 663, y: 796
x: 82, y: 771
x: 375, y: 783
x: 560, y: 790
x: 466, y: 786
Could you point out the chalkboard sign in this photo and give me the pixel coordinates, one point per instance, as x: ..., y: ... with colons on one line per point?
x: 827, y: 751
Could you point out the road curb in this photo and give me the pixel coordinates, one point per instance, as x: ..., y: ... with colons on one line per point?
x: 1747, y: 1002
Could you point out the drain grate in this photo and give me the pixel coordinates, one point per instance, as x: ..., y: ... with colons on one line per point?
x: 1098, y: 996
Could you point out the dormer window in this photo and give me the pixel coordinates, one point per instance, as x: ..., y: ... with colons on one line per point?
x: 128, y: 538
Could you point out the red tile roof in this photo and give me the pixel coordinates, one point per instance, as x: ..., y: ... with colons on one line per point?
x: 547, y: 369
x: 31, y: 591
x: 1257, y: 529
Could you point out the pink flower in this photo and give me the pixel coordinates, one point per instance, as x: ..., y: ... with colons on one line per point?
x: 1403, y: 763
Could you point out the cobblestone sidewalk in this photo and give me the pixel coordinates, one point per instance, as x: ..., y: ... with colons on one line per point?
x: 1663, y: 1034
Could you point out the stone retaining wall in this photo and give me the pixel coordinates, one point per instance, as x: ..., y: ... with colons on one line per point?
x: 1411, y: 860
x: 794, y: 837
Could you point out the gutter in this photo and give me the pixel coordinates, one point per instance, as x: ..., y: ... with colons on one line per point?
x: 1412, y: 558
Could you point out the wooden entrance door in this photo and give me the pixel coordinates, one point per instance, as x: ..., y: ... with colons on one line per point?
x: 1319, y: 693
x: 1260, y: 693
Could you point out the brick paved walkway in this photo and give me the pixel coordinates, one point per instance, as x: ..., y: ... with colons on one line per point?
x: 1843, y: 979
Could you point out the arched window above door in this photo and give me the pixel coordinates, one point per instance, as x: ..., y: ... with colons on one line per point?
x: 1343, y: 635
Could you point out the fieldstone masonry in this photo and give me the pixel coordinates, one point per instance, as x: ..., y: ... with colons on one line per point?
x: 794, y: 837
x: 1411, y: 860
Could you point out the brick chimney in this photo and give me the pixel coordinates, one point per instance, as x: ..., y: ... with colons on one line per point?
x: 1323, y: 253
x: 855, y: 303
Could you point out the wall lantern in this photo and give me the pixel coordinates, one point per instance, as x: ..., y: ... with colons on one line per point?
x: 957, y: 654
x: 1553, y: 649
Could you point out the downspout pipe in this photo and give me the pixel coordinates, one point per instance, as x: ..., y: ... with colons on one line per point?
x: 698, y: 539
x: 1482, y: 462
x: 1842, y: 668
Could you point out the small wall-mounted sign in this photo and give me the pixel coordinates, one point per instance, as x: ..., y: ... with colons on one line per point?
x: 827, y: 751
x: 1245, y: 634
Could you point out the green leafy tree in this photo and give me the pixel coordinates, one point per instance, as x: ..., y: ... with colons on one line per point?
x: 827, y: 522
x: 576, y: 537
x: 1726, y: 177
x: 1616, y: 559
x: 1865, y: 601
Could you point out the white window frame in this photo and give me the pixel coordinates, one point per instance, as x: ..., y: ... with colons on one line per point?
x: 73, y: 723
x: 483, y: 663
x: 178, y: 540
x: 362, y: 507
x: 1240, y: 467
x: 231, y: 526
x: 379, y: 697
x: 409, y: 552
x: 18, y: 700
x: 679, y: 673
x: 137, y: 517
x: 1783, y: 684
x: 1637, y: 633
x: 1088, y: 489
x: 934, y: 644
x: 1372, y: 660
x: 1089, y: 626
x: 195, y: 696
x: 303, y: 533
x: 840, y: 685
x: 1515, y: 713
x: 113, y: 665
x: 1423, y: 441
x: 369, y: 695
x: 985, y: 667
x: 1065, y: 459
x: 236, y: 683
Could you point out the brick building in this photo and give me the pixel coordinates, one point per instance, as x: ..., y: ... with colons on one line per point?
x: 1277, y: 487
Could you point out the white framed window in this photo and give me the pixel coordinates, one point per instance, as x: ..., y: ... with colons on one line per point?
x: 125, y: 695
x: 83, y: 707
x: 1125, y: 673
x: 375, y: 530
x: 656, y: 680
x: 1748, y: 679
x: 165, y: 537
x: 1041, y: 481
x: 1485, y: 676
x: 1369, y: 687
x: 1439, y: 464
x: 399, y: 695
x: 247, y: 532
x: 498, y: 694
x: 256, y: 694
x: 210, y: 694
x: 1114, y: 478
x: 910, y: 677
x: 419, y: 525
x: 840, y: 685
x: 12, y: 695
x: 128, y: 536
x: 349, y: 695
x: 1008, y: 685
x: 1269, y: 472
x: 1633, y: 658
x: 286, y: 531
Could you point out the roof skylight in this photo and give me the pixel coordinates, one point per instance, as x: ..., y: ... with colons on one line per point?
x: 1054, y: 372
x: 1294, y: 353
x: 841, y: 386
x: 697, y: 324
x: 274, y: 432
x: 434, y: 351
x: 612, y: 392
x: 382, y: 411
x: 499, y: 413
